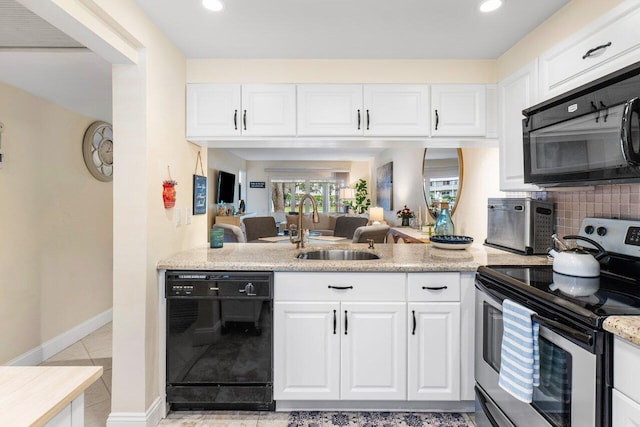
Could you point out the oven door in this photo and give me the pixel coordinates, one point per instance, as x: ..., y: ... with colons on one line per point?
x: 566, y: 395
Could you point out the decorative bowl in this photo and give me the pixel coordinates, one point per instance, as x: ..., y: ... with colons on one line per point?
x: 451, y: 241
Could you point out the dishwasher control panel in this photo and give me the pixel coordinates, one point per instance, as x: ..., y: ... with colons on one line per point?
x: 219, y: 285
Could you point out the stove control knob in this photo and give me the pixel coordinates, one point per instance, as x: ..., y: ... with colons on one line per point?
x: 601, y: 231
x: 589, y: 229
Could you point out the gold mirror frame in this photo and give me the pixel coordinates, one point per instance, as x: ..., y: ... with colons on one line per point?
x: 460, y: 181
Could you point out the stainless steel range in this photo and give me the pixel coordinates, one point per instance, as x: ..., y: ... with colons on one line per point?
x: 575, y: 353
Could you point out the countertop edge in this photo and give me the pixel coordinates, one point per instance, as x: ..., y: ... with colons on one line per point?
x: 625, y: 327
x: 22, y: 385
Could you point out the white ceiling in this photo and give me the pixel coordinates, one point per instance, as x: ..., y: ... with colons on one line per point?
x: 311, y: 153
x: 347, y: 28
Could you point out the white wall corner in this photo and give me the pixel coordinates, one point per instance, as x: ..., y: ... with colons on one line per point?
x: 150, y: 418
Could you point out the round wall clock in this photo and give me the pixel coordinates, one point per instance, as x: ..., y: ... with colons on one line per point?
x: 97, y: 150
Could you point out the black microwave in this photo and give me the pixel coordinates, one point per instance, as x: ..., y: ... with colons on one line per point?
x: 590, y: 135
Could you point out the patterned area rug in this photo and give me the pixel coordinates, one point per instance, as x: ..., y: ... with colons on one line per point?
x: 379, y: 419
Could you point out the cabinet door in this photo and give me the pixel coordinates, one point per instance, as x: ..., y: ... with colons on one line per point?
x: 458, y: 110
x: 604, y: 46
x: 434, y: 351
x: 515, y: 93
x: 269, y: 110
x: 625, y: 412
x: 306, y: 351
x: 213, y: 110
x: 374, y: 351
x: 330, y: 110
x: 396, y: 110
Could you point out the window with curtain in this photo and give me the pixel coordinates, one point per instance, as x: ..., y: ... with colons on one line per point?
x: 286, y: 194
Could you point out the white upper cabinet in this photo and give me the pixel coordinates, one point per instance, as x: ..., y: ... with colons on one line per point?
x: 331, y: 110
x: 608, y: 44
x: 235, y: 110
x: 213, y: 109
x: 458, y: 110
x: 515, y: 93
x: 269, y: 109
x: 396, y: 110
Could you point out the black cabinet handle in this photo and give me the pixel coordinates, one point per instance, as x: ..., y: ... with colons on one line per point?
x: 413, y: 332
x: 437, y: 119
x: 434, y: 288
x: 358, y: 119
x: 368, y: 120
x: 244, y: 119
x: 335, y: 322
x: 340, y: 287
x: 235, y: 119
x: 346, y: 322
x: 595, y: 49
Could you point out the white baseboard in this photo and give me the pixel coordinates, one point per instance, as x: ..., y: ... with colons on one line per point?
x: 57, y: 344
x: 150, y: 418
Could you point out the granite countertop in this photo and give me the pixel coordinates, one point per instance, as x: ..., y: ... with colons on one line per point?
x: 393, y: 257
x: 626, y: 327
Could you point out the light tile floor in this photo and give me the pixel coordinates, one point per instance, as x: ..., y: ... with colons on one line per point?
x: 95, y: 349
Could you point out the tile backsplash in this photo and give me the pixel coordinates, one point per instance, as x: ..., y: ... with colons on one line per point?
x: 620, y: 201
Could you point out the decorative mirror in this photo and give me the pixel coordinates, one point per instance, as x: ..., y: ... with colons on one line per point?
x: 442, y: 178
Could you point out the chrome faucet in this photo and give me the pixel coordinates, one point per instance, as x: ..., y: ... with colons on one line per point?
x: 299, y: 239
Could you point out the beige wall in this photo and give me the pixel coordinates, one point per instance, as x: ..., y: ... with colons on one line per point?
x: 561, y: 25
x: 55, y: 223
x: 339, y: 71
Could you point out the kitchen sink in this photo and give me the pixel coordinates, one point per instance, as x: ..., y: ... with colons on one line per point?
x: 338, y: 254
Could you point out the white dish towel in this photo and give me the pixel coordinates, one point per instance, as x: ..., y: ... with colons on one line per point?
x: 520, y: 353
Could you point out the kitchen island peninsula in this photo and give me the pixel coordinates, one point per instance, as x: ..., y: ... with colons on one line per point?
x: 392, y: 333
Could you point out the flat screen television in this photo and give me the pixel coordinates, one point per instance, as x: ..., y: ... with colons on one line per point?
x: 226, y: 187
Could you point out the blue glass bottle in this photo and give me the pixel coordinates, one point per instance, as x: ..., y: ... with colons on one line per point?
x: 444, y: 224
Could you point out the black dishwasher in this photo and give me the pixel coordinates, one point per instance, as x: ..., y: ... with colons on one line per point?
x: 219, y: 340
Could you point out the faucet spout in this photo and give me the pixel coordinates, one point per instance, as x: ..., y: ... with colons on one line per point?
x: 299, y: 239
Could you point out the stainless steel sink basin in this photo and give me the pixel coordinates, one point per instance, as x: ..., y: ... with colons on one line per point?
x: 338, y: 255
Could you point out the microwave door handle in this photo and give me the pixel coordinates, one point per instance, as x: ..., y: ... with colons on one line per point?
x: 626, y: 139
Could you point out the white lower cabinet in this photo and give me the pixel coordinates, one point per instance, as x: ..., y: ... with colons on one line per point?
x: 306, y: 350
x: 374, y: 351
x: 626, y: 377
x: 434, y: 351
x: 625, y: 412
x: 372, y: 336
x: 340, y: 336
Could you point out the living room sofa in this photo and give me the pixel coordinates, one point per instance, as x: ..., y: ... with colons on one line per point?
x: 326, y: 225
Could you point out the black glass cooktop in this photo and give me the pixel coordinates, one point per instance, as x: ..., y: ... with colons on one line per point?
x: 593, y: 298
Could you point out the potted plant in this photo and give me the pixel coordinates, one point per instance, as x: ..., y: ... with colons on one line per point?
x: 405, y: 214
x: 362, y: 202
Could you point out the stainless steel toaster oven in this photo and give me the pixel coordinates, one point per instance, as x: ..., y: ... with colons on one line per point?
x: 521, y: 225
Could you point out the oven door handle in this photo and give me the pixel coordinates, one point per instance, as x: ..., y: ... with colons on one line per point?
x: 559, y: 327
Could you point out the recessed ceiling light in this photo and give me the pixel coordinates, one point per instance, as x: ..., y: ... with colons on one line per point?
x: 214, y: 5
x: 490, y: 5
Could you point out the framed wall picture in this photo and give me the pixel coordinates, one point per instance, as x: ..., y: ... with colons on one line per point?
x: 199, y: 194
x: 385, y: 186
